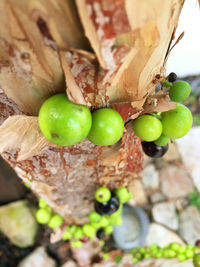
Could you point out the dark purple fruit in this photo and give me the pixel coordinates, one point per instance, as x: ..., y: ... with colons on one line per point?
x: 197, y: 243
x: 172, y: 77
x: 154, y: 151
x: 107, y: 208
x: 100, y: 233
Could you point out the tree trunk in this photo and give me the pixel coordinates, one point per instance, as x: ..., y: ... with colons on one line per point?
x: 41, y: 42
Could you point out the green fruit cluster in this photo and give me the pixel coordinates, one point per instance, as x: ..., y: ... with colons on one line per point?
x: 172, y: 124
x: 173, y: 250
x: 44, y: 215
x: 76, y: 233
x: 65, y: 124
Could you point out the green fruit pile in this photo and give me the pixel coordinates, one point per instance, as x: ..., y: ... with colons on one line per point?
x: 173, y: 250
x: 44, y: 215
x: 106, y: 202
x: 65, y: 124
x: 99, y: 225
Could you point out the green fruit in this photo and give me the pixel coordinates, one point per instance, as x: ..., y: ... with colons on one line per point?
x: 107, y: 127
x: 102, y: 194
x: 43, y: 216
x: 181, y: 257
x: 108, y: 230
x: 147, y: 127
x: 42, y: 203
x: 123, y: 194
x: 196, y: 260
x: 135, y: 260
x: 88, y: 230
x: 104, y: 221
x: 72, y: 228
x: 67, y: 234
x: 175, y: 246
x: 94, y: 217
x: 176, y: 122
x: 162, y: 141
x: 63, y: 122
x: 55, y: 221
x: 106, y: 256
x: 179, y: 91
x: 189, y: 254
x: 118, y: 221
x: 78, y: 233
x: 76, y: 244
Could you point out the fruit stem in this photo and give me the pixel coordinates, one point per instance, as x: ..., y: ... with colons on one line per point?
x: 166, y: 84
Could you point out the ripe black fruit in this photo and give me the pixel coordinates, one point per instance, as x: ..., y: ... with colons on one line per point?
x: 108, y: 208
x: 100, y: 233
x: 154, y: 151
x: 172, y: 77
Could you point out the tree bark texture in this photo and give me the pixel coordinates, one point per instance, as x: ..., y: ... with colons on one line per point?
x: 42, y: 49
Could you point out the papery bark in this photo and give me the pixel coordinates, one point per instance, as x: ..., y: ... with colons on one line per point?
x: 67, y: 177
x: 130, y: 39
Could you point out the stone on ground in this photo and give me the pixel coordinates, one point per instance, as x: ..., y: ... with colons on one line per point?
x: 165, y: 213
x: 38, y: 258
x: 189, y: 228
x: 161, y: 236
x: 175, y: 182
x: 18, y: 223
x: 189, y: 147
x: 150, y: 178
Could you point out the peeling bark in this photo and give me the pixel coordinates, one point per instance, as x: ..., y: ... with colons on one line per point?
x: 130, y: 39
x: 67, y: 177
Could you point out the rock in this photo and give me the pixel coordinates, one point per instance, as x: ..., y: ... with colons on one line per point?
x: 147, y: 160
x: 162, y: 236
x: 189, y: 147
x: 127, y: 262
x: 133, y: 230
x: 11, y: 187
x: 139, y: 195
x: 165, y: 213
x: 164, y: 263
x: 84, y: 254
x: 189, y: 224
x: 172, y: 153
x: 150, y: 178
x: 38, y: 258
x: 18, y: 223
x: 69, y: 264
x: 157, y: 197
x: 175, y: 182
x: 181, y: 203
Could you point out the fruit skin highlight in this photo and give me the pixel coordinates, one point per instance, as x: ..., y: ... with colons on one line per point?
x: 62, y: 122
x: 176, y: 122
x: 147, y: 127
x: 107, y: 127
